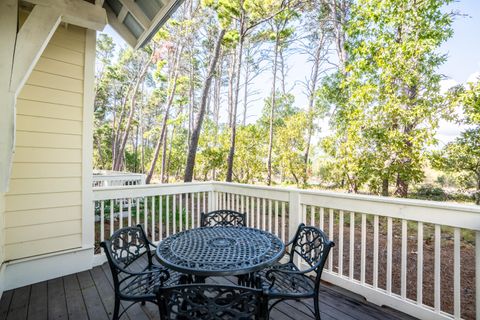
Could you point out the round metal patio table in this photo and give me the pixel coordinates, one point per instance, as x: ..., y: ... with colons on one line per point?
x: 220, y: 251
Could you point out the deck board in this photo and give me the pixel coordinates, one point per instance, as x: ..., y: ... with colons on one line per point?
x: 75, y: 303
x: 38, y: 304
x: 93, y: 303
x: 57, y: 305
x: 89, y: 295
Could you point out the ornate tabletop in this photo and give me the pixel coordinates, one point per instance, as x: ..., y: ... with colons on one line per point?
x: 220, y: 251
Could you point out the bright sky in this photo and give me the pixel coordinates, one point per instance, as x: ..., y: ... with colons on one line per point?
x: 463, y: 65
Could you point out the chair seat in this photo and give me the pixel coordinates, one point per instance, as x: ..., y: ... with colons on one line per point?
x: 141, y: 286
x: 287, y: 284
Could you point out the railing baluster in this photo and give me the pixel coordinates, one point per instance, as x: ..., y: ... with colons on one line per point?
x: 420, y: 263
x: 437, y: 268
x: 187, y: 195
x: 269, y: 215
x: 237, y: 203
x: 192, y: 210
x: 204, y: 207
x: 248, y: 211
x: 363, y: 248
x: 389, y: 255
x: 283, y: 222
x: 174, y: 215
x: 160, y: 218
x: 351, y: 259
x: 137, y: 213
x: 198, y: 211
x: 153, y: 219
x: 276, y: 218
x: 102, y: 220
x: 312, y: 215
x: 403, y: 263
x: 112, y: 216
x: 304, y: 214
x: 258, y: 213
x: 252, y: 212
x: 129, y: 212
x: 120, y: 214
x: 145, y: 214
x: 456, y: 274
x: 180, y: 204
x: 375, y: 251
x: 340, y: 243
x: 322, y: 217
x: 264, y: 213
x: 330, y: 235
x: 167, y: 214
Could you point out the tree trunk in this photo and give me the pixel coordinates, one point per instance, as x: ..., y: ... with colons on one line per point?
x: 401, y: 187
x: 167, y: 178
x: 385, y: 192
x: 192, y: 150
x: 272, y: 110
x: 171, y: 95
x: 311, y: 103
x: 231, y: 84
x: 164, y: 155
x: 231, y: 153
x: 245, y: 91
x: 141, y: 76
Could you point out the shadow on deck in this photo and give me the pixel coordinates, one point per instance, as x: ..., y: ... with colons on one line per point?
x: 89, y: 295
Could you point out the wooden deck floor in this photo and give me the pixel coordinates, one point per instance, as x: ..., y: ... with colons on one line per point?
x: 89, y: 295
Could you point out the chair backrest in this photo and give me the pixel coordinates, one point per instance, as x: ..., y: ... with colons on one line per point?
x: 312, y: 246
x: 224, y: 218
x: 206, y: 301
x: 124, y: 247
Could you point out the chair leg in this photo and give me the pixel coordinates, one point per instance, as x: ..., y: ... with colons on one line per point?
x: 116, y: 309
x: 316, y: 307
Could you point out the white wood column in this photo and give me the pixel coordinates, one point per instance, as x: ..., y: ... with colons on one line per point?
x: 8, y: 25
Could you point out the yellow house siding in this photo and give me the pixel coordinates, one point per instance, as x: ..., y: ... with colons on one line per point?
x: 43, y: 209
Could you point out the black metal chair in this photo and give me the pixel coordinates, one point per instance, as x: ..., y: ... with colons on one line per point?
x: 135, y: 277
x: 224, y: 218
x: 207, y: 301
x: 287, y: 281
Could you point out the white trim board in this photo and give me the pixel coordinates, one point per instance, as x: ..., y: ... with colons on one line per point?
x: 88, y: 223
x: 24, y: 272
x: 2, y: 280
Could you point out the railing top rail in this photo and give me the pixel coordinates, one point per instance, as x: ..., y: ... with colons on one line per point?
x: 370, y: 198
x: 118, y: 192
x: 118, y: 176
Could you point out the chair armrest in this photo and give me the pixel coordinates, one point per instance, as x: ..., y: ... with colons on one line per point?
x: 161, y: 274
x: 270, y: 274
x: 287, y: 245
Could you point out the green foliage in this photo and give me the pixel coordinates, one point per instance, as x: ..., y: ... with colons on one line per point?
x: 388, y: 101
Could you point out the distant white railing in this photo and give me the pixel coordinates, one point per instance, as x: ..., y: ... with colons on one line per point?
x: 391, y: 251
x: 112, y: 179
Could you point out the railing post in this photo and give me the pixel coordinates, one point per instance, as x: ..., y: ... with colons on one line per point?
x: 294, y: 212
x: 294, y: 217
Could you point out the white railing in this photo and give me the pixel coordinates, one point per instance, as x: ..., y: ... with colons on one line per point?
x: 112, y: 179
x: 420, y: 257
